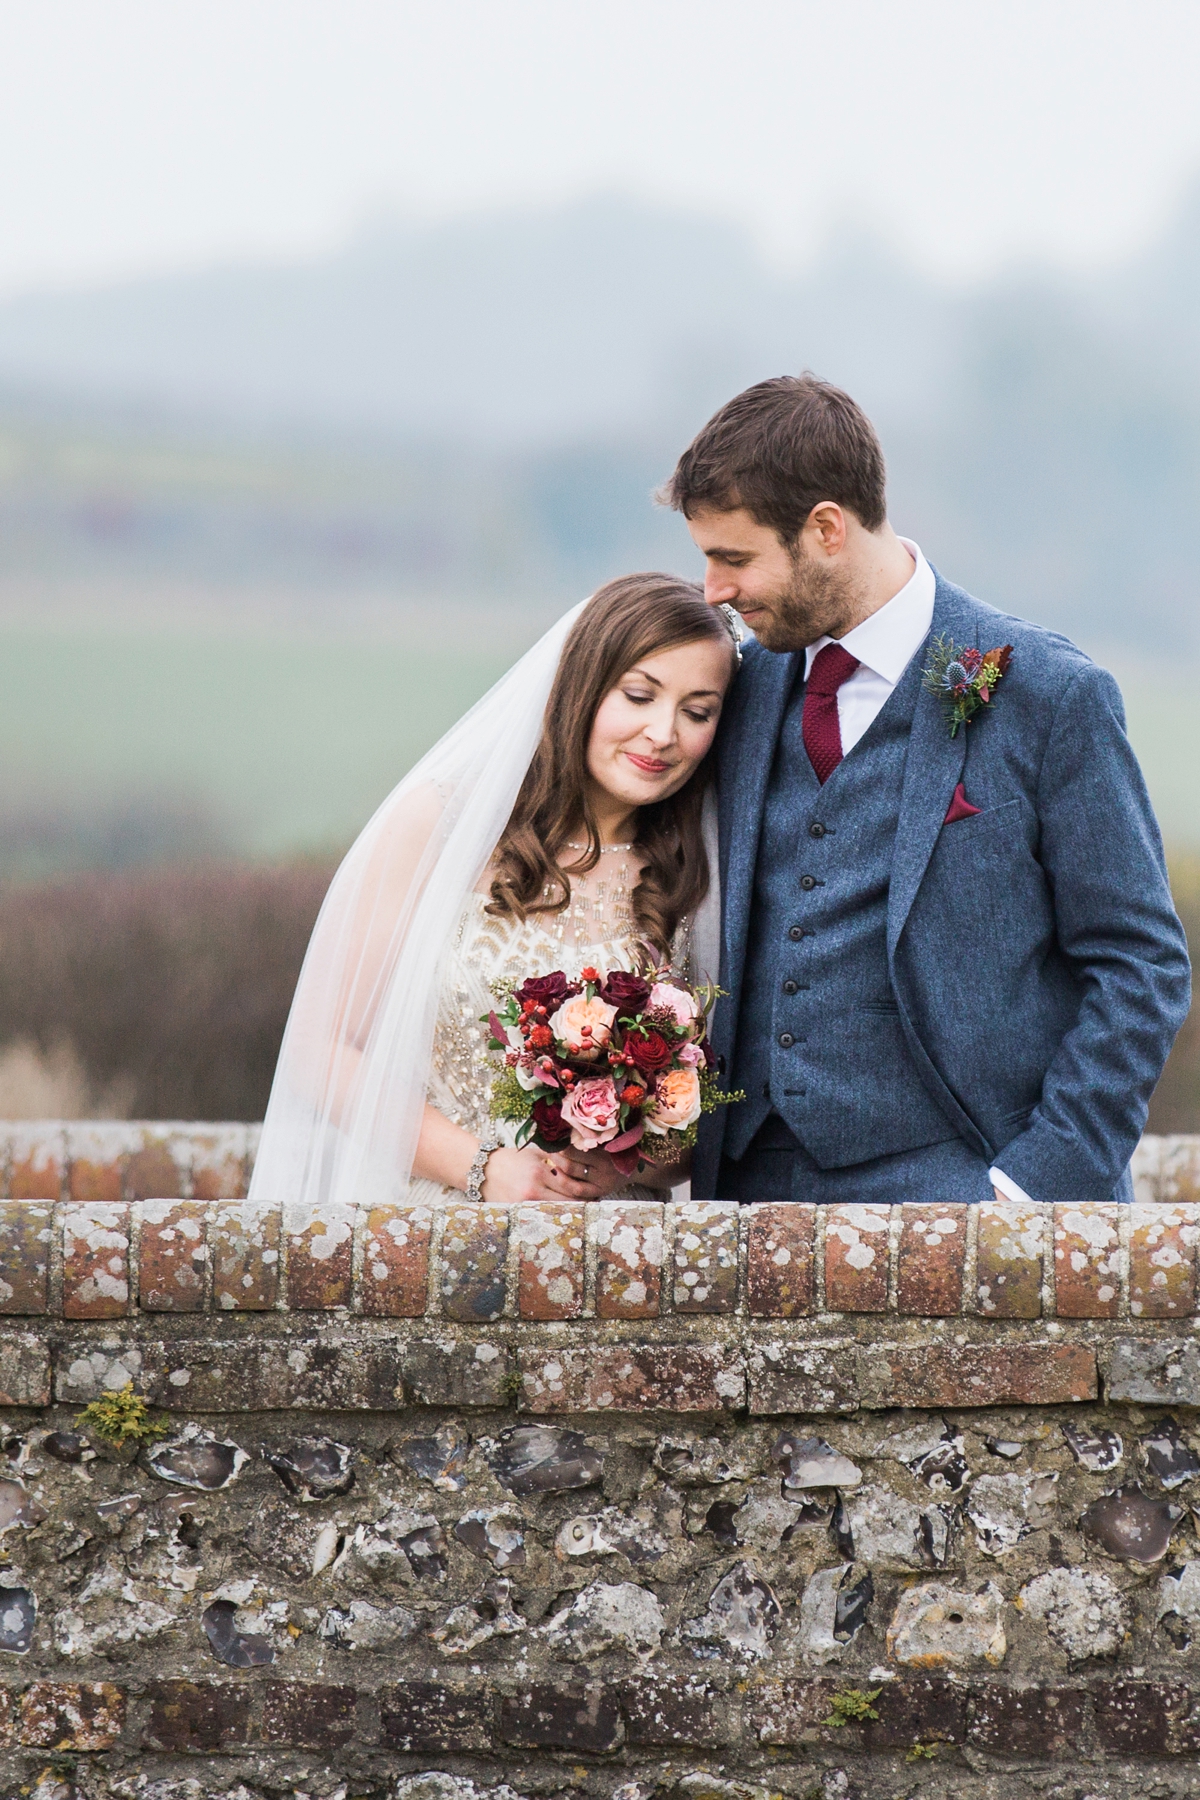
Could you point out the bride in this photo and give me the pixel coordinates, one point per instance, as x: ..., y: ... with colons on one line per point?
x: 558, y: 825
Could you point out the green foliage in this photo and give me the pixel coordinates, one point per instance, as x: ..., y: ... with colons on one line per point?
x: 851, y: 1705
x: 509, y: 1099
x: 962, y: 689
x: 122, y: 1418
x: 712, y: 1094
x: 512, y: 1386
x: 921, y: 1753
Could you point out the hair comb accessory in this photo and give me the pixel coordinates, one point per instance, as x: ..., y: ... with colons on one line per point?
x: 737, y: 630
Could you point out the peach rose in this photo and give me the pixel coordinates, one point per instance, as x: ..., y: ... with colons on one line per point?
x: 666, y: 998
x: 583, y: 1025
x: 676, y: 1102
x: 592, y: 1110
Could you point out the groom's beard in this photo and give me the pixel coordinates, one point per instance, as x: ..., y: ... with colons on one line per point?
x: 818, y: 602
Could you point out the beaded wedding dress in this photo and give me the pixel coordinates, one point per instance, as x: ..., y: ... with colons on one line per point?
x: 595, y: 930
x: 387, y: 1008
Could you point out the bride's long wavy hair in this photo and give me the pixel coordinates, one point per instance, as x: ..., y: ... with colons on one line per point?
x: 624, y: 622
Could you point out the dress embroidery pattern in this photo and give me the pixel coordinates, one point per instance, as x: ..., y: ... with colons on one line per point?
x: 595, y: 927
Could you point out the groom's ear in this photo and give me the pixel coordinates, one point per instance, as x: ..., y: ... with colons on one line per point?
x: 825, y: 531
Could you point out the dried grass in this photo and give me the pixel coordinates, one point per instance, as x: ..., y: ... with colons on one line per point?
x: 1176, y: 1103
x: 163, y: 994
x: 156, y: 994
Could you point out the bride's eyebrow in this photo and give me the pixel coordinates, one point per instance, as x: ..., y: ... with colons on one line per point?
x: 696, y: 693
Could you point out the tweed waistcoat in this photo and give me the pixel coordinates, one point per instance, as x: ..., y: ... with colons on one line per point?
x: 819, y: 1036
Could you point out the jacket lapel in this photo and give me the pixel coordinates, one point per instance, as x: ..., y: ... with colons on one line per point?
x: 745, y: 772
x: 932, y: 769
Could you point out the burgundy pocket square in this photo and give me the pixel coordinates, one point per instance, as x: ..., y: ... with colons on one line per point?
x: 960, y: 807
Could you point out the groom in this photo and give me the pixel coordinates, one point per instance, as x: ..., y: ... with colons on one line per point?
x: 950, y: 953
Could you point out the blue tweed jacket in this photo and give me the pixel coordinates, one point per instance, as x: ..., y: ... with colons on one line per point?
x: 1034, y: 954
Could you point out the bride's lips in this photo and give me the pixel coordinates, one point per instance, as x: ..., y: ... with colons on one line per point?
x: 649, y: 765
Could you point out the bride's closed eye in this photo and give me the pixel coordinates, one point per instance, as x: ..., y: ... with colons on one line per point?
x: 636, y: 699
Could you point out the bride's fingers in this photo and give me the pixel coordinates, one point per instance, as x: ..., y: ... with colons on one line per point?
x: 565, y: 1187
x: 570, y: 1171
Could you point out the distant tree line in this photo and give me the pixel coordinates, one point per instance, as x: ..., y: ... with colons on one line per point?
x: 1176, y: 1105
x: 163, y: 994
x: 167, y: 988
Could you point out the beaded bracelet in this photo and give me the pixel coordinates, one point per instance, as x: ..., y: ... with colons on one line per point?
x: 476, y: 1172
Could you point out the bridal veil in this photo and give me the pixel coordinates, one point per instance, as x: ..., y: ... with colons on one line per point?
x: 346, y: 1103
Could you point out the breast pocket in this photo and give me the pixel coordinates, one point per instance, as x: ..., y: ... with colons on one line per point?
x: 993, y: 835
x: 985, y: 873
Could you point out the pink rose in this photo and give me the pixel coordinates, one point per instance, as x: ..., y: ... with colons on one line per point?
x: 583, y: 1025
x: 592, y: 1110
x: 676, y: 1102
x: 665, y: 997
x: 690, y: 1055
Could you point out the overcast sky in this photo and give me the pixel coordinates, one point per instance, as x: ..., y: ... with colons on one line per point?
x: 148, y: 135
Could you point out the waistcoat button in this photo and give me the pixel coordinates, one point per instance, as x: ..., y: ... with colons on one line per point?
x: 786, y: 1040
x: 796, y: 933
x: 791, y: 987
x: 816, y: 829
x: 807, y: 882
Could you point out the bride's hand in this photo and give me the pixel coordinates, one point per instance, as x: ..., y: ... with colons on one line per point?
x: 594, y: 1166
x: 532, y: 1175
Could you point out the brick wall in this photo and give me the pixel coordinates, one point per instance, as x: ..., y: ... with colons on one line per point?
x: 630, y: 1501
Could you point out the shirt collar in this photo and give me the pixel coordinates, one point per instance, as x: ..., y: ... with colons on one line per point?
x: 891, y: 637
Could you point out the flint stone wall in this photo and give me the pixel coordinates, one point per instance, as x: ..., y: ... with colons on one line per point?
x: 624, y: 1501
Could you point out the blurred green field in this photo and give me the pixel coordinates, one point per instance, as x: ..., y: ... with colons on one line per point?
x: 278, y: 744
x: 282, y: 743
x: 1161, y: 710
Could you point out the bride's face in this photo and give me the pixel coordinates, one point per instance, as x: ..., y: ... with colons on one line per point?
x: 655, y: 727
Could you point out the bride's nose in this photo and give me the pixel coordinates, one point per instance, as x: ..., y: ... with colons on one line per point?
x: 660, y: 730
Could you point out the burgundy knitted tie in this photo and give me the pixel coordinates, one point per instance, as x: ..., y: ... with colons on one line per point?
x: 822, y: 733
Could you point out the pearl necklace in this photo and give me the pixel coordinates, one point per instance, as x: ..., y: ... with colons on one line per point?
x: 605, y: 849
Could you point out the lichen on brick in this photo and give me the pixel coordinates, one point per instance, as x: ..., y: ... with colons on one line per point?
x: 361, y: 1558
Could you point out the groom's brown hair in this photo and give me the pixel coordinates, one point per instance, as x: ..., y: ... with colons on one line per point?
x: 778, y: 449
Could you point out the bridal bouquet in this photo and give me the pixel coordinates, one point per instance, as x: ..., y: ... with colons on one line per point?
x: 619, y: 1062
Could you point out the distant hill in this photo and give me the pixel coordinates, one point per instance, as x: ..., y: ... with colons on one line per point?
x: 607, y: 317
x: 484, y: 405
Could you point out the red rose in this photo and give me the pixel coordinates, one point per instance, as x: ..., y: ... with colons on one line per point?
x: 649, y: 1053
x: 547, y: 1116
x: 545, y: 990
x: 628, y: 993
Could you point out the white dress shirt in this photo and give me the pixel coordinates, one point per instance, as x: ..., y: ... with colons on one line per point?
x: 885, y: 644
